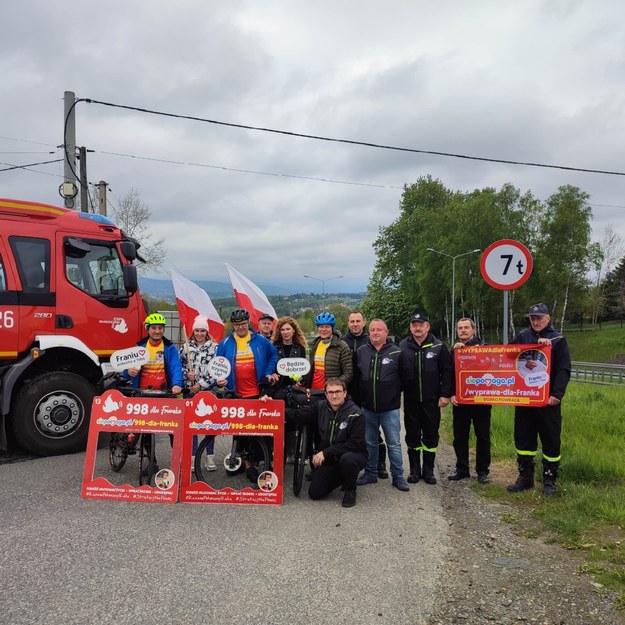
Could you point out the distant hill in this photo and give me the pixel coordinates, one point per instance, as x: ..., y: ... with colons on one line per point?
x: 163, y: 288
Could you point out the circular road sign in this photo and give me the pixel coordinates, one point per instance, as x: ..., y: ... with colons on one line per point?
x: 506, y: 264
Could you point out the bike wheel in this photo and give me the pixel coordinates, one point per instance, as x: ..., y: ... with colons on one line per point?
x: 118, y: 451
x: 301, y: 455
x: 239, y: 460
x: 147, y: 453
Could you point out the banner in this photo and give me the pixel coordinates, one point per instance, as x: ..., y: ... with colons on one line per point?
x: 513, y: 375
x: 249, y: 296
x: 193, y: 301
x: 240, y: 436
x: 133, y: 450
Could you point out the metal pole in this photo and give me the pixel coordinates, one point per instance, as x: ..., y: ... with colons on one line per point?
x: 84, y: 200
x: 69, y: 137
x: 505, y: 318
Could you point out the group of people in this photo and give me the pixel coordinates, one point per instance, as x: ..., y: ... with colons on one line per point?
x: 362, y: 376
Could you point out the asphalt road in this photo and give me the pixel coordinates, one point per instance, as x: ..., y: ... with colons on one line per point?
x: 65, y: 560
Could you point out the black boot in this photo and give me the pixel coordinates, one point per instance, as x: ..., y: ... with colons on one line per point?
x: 550, y: 475
x: 414, y: 457
x: 428, y: 467
x: 382, y: 472
x: 526, y: 475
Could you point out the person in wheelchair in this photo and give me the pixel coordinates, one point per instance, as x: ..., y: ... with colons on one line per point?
x: 339, y: 429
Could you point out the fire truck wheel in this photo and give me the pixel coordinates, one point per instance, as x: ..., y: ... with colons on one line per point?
x: 51, y: 414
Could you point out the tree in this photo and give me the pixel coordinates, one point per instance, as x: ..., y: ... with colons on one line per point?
x: 615, y: 292
x: 133, y: 217
x: 608, y: 253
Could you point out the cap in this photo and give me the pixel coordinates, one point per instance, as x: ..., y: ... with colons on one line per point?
x: 538, y: 310
x: 420, y: 317
x: 200, y: 323
x: 265, y: 316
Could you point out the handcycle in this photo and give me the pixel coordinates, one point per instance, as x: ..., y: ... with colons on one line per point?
x: 296, y: 398
x: 124, y: 444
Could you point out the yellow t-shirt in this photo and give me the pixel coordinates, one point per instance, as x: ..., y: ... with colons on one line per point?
x: 245, y: 370
x: 319, y: 364
x: 153, y: 371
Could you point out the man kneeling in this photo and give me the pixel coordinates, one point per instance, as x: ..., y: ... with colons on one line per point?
x: 339, y: 431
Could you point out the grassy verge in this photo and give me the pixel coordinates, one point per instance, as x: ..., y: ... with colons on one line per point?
x: 589, y: 515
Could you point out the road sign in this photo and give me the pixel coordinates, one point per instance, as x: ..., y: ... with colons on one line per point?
x: 506, y: 264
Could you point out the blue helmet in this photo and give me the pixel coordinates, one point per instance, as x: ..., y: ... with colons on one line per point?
x: 325, y: 319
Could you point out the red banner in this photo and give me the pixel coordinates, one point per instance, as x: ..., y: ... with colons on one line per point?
x: 513, y: 375
x: 240, y: 458
x: 133, y: 440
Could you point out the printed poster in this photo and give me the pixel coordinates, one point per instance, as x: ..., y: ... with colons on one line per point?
x: 513, y: 375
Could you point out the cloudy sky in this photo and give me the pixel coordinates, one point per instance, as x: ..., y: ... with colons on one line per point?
x: 540, y: 81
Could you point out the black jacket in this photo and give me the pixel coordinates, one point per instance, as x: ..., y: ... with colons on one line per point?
x: 379, y: 376
x: 560, y: 356
x: 335, y: 432
x: 354, y: 342
x: 426, y: 369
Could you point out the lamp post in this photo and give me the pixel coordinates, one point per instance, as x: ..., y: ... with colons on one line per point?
x: 453, y: 279
x: 323, y: 282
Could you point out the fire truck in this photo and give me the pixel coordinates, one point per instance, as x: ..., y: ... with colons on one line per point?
x: 69, y: 298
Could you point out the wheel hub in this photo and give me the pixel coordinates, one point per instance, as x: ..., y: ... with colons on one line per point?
x: 59, y: 414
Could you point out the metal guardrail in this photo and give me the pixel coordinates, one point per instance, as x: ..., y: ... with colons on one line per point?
x: 598, y: 373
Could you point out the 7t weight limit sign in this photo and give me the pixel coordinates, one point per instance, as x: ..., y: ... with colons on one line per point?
x: 506, y: 264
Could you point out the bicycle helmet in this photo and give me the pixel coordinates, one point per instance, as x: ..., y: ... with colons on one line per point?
x: 325, y: 319
x: 155, y: 319
x: 239, y: 315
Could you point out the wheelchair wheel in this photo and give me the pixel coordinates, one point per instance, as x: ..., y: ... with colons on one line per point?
x: 147, y: 453
x: 301, y: 455
x: 118, y: 451
x: 239, y: 460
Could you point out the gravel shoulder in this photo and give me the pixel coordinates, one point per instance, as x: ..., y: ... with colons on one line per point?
x: 495, y: 576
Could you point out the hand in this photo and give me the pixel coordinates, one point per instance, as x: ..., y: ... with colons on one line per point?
x: 544, y: 341
x: 443, y: 401
x: 453, y: 400
x: 553, y: 401
x: 459, y: 345
x: 222, y: 382
x: 176, y: 390
x: 195, y: 388
x: 191, y: 375
x: 133, y: 373
x: 264, y: 398
x: 318, y: 459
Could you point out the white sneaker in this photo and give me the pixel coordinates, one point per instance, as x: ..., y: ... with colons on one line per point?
x: 210, y: 463
x: 192, y: 464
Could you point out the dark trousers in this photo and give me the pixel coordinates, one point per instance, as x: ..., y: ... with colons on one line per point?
x: 422, y: 420
x: 462, y: 419
x: 331, y: 475
x: 531, y: 423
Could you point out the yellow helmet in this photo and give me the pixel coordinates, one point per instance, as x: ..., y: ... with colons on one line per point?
x: 155, y: 319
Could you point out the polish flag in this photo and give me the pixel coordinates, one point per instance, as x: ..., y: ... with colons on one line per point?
x: 193, y: 301
x: 249, y: 296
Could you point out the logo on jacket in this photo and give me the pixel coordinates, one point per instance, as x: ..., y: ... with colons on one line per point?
x: 386, y: 361
x: 342, y: 425
x: 430, y: 355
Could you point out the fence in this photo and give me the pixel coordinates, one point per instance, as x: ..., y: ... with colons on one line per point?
x: 598, y: 373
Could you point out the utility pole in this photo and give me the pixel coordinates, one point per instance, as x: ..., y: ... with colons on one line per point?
x: 69, y: 189
x: 84, y: 191
x: 102, y: 196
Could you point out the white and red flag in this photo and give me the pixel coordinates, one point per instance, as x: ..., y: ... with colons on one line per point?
x: 193, y: 301
x: 249, y: 296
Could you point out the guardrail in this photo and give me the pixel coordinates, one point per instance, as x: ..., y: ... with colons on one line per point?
x: 598, y: 373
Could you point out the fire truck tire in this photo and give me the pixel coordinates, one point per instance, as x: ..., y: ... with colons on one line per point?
x: 51, y: 414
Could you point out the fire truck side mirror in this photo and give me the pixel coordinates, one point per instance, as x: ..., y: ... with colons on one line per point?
x: 131, y: 282
x: 129, y: 250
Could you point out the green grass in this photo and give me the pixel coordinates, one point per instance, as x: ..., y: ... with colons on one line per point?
x: 597, y: 345
x: 589, y: 515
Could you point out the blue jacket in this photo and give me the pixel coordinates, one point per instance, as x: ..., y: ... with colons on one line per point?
x: 173, y: 368
x: 265, y: 356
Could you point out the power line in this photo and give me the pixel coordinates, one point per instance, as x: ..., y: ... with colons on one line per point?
x: 347, y: 141
x: 11, y: 166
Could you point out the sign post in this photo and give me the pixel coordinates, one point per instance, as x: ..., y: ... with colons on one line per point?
x: 506, y: 265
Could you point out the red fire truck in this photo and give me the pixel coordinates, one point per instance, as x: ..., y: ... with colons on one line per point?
x: 69, y: 298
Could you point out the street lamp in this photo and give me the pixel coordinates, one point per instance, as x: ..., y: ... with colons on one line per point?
x: 453, y: 279
x: 323, y: 282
